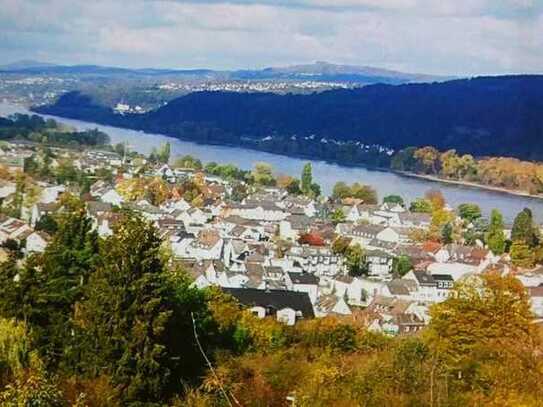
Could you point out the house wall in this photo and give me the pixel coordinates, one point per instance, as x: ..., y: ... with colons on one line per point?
x: 287, y: 316
x: 260, y: 312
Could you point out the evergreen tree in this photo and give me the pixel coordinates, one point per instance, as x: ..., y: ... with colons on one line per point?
x: 315, y: 190
x: 10, y: 301
x: 469, y: 212
x: 128, y: 315
x: 401, y: 265
x: 307, y: 179
x: 524, y: 229
x: 394, y: 199
x: 447, y: 233
x: 65, y: 267
x: 355, y: 260
x: 495, y: 238
x: 163, y: 154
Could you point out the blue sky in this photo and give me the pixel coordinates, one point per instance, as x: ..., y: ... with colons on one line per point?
x: 458, y: 37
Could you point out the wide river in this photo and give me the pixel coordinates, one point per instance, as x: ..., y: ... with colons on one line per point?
x: 326, y: 174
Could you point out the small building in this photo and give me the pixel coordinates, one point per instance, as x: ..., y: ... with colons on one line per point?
x: 286, y: 306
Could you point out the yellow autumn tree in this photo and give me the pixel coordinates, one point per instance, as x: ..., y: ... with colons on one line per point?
x: 484, y: 342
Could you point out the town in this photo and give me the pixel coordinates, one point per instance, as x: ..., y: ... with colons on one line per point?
x: 271, y: 240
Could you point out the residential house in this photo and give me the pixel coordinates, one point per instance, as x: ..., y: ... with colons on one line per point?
x: 304, y: 282
x: 536, y: 300
x: 379, y: 264
x: 426, y: 291
x: 286, y: 306
x: 293, y: 226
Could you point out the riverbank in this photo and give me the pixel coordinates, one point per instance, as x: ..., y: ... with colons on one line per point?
x: 476, y: 185
x: 325, y: 173
x: 255, y: 145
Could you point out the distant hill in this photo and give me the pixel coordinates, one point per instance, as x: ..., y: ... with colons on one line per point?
x: 319, y: 71
x: 325, y: 71
x: 499, y: 116
x: 25, y: 64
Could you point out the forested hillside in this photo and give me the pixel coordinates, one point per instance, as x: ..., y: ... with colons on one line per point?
x: 498, y: 116
x: 107, y: 322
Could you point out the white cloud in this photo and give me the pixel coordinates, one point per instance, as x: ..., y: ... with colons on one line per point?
x: 446, y: 36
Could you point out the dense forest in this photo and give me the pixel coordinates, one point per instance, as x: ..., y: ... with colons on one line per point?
x: 113, y: 322
x: 497, y: 116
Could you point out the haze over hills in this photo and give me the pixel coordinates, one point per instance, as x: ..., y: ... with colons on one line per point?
x: 465, y: 114
x: 318, y: 71
x: 25, y: 64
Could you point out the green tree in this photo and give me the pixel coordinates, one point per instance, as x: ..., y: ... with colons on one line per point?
x: 401, y: 265
x: 294, y: 187
x: 421, y: 205
x: 188, y: 161
x: 524, y: 229
x: 239, y: 192
x: 15, y: 348
x: 447, y: 233
x: 476, y: 231
x: 262, y: 174
x: 394, y: 199
x: 404, y: 160
x: 163, y: 154
x: 16, y: 204
x: 128, y: 316
x: 315, y: 190
x: 66, y: 265
x: 364, y: 192
x: 469, y: 212
x: 359, y: 191
x: 307, y: 179
x: 495, y: 238
x: 341, y: 190
x: 337, y: 216
x: 120, y: 148
x: 47, y: 223
x: 355, y: 260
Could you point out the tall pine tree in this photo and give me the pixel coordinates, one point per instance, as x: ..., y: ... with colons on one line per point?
x: 495, y: 238
x: 524, y: 229
x: 128, y: 313
x: 307, y: 179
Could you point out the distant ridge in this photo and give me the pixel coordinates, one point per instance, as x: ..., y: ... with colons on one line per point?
x: 323, y: 68
x: 318, y: 71
x: 25, y: 64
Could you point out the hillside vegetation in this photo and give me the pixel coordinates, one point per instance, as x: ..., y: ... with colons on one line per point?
x: 140, y: 333
x: 498, y: 116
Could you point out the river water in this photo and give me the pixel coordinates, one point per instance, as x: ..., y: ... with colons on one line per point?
x: 324, y: 173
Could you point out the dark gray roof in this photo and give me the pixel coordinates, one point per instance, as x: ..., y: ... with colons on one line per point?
x: 424, y: 279
x: 277, y: 299
x: 303, y: 278
x: 442, y: 277
x: 398, y: 287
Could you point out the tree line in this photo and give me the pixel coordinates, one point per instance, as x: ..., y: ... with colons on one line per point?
x: 47, y: 131
x: 502, y: 172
